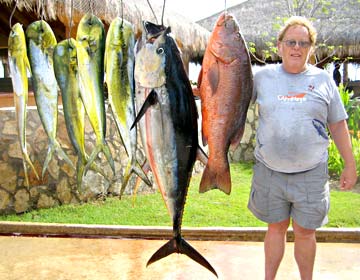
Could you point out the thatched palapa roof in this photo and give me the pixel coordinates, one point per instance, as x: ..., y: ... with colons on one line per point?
x: 191, y: 37
x: 337, y: 23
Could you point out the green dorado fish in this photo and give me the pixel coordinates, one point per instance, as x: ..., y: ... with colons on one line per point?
x: 119, y: 68
x: 41, y: 43
x: 66, y: 73
x: 18, y: 64
x: 90, y: 54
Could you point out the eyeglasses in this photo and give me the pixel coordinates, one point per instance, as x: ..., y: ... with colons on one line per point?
x: 293, y: 43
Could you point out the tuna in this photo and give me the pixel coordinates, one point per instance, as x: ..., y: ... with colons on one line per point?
x: 19, y: 65
x: 41, y: 43
x: 225, y: 84
x: 168, y: 124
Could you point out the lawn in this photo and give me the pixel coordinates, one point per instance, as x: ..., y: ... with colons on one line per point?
x: 212, y: 208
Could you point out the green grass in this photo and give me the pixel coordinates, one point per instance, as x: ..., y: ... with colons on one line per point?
x: 212, y: 208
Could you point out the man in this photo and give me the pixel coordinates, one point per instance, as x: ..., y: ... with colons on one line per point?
x: 290, y: 182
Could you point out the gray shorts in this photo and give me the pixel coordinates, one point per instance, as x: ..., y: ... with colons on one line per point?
x: 303, y: 196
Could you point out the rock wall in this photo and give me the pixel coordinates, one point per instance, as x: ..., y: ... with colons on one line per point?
x: 245, y: 151
x: 59, y: 183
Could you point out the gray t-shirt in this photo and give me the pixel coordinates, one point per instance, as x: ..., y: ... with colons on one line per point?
x: 294, y: 110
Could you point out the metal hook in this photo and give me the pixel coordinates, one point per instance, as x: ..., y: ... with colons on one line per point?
x: 12, y: 14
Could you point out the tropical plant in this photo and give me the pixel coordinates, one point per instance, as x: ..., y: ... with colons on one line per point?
x: 336, y: 163
x: 352, y: 107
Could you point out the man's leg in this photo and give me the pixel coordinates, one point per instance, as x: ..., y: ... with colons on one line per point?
x: 274, y: 245
x: 305, y: 250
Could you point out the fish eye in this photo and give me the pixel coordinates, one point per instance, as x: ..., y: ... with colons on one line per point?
x: 160, y: 51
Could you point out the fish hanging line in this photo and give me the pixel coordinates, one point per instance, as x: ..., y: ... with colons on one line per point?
x: 41, y: 7
x: 71, y: 15
x: 162, y: 15
x: 91, y: 6
x: 122, y: 13
x: 152, y: 11
x: 12, y: 14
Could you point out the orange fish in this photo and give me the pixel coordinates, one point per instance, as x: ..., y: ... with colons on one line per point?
x: 225, y: 84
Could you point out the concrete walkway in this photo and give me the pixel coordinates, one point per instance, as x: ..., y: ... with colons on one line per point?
x: 55, y: 258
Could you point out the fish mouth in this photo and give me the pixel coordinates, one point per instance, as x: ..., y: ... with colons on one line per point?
x: 152, y: 30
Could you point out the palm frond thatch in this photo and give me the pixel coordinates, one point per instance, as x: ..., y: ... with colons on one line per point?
x: 337, y: 23
x: 191, y: 37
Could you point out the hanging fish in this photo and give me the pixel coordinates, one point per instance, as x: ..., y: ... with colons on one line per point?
x: 168, y: 122
x: 225, y: 83
x: 41, y: 43
x: 19, y: 64
x: 119, y: 68
x: 90, y: 55
x: 66, y: 72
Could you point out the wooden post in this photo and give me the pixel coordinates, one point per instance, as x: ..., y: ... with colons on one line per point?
x: 345, y: 76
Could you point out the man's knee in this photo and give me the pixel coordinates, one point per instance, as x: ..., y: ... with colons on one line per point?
x: 280, y: 227
x: 301, y: 232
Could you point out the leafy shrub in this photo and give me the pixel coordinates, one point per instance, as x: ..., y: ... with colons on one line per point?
x: 352, y: 107
x: 336, y: 164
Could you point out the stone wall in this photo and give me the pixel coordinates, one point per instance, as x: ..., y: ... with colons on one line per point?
x: 59, y: 183
x: 245, y: 151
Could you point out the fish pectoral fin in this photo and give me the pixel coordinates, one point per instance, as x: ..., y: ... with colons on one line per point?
x: 180, y: 246
x: 213, y: 77
x: 150, y: 100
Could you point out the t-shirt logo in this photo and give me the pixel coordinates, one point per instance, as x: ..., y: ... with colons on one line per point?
x: 293, y: 97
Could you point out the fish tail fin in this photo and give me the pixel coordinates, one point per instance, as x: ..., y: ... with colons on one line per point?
x: 26, y: 174
x: 133, y: 167
x: 127, y: 175
x: 61, y: 152
x: 105, y: 148
x: 96, y: 168
x: 92, y: 157
x: 146, y: 169
x: 49, y: 155
x: 180, y: 246
x: 80, y: 170
x: 28, y: 160
x: 216, y: 176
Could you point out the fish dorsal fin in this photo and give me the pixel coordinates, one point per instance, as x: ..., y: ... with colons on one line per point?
x: 151, y: 99
x: 213, y: 77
